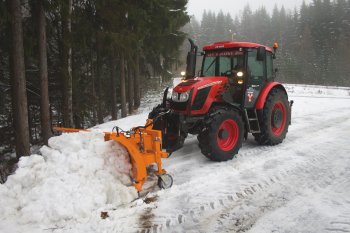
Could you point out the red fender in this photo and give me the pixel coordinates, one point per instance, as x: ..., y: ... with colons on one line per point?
x: 264, y: 93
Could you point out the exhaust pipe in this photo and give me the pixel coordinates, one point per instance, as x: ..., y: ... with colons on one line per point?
x: 191, y: 60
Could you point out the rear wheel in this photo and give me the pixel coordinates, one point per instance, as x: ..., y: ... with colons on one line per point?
x: 223, y: 135
x: 275, y: 119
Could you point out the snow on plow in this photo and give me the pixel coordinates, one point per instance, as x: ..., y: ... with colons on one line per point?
x: 145, y: 148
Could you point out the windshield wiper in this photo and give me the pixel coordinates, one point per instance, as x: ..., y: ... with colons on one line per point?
x: 211, y: 64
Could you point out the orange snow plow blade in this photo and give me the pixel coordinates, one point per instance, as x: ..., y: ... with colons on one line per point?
x: 144, y: 146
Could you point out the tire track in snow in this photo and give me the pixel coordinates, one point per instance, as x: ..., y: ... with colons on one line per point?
x: 195, y: 213
x: 230, y: 201
x: 224, y: 205
x: 310, y: 172
x: 341, y: 222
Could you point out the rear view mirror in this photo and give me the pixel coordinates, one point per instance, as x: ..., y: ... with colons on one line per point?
x: 191, y: 64
x: 261, y: 53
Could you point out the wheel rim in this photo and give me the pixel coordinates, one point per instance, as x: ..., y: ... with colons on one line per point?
x: 227, y: 135
x: 278, y: 118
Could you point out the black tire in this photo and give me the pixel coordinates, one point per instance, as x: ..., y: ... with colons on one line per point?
x: 222, y: 136
x: 155, y: 112
x: 275, y: 118
x: 165, y: 181
x: 171, y: 140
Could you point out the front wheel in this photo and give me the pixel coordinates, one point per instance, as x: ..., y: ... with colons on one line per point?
x: 173, y: 137
x: 275, y: 119
x: 223, y: 135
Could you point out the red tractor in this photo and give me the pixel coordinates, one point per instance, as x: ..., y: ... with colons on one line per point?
x: 234, y: 94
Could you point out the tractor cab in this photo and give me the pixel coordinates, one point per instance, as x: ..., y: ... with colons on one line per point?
x: 248, y: 66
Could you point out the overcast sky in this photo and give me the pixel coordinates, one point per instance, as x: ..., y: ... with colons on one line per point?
x: 196, y: 7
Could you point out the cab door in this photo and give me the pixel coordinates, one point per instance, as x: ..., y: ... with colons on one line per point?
x: 256, y: 69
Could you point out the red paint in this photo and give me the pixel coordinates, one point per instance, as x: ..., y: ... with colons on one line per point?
x: 231, y: 128
x: 231, y: 44
x: 213, y: 96
x: 264, y: 92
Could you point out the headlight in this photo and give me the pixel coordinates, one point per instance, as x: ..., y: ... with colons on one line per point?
x: 174, y: 96
x: 184, y: 96
x: 180, y: 96
x: 239, y: 74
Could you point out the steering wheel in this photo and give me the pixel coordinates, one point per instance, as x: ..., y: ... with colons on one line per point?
x: 227, y: 73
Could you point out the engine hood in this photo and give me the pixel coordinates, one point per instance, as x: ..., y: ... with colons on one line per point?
x: 195, y: 96
x: 199, y: 83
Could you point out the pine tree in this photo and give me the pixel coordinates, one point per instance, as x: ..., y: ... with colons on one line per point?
x: 66, y: 14
x: 122, y: 85
x: 113, y: 64
x: 18, y: 82
x: 44, y: 82
x: 219, y: 30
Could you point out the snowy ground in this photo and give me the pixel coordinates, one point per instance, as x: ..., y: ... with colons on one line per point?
x: 301, y: 185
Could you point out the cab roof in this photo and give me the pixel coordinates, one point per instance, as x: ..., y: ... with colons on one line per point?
x: 233, y: 44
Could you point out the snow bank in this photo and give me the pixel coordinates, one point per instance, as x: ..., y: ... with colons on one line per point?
x: 76, y: 174
x: 315, y: 90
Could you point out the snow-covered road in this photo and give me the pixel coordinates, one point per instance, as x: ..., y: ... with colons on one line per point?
x: 301, y: 185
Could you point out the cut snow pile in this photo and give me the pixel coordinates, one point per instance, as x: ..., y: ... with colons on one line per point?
x: 124, y: 123
x: 76, y: 174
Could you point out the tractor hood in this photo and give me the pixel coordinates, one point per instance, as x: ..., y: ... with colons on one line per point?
x: 194, y: 96
x: 200, y: 83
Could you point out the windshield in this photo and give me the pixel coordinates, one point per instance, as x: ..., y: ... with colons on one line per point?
x: 221, y: 63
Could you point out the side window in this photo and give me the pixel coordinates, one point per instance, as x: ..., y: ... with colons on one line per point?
x: 255, y: 68
x: 269, y: 66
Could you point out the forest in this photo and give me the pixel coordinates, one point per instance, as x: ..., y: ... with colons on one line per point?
x: 75, y: 62
x: 313, y: 39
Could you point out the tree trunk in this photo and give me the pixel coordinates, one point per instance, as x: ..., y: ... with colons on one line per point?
x: 94, y: 117
x: 130, y: 88
x: 122, y: 85
x: 44, y: 84
x: 67, y: 64
x: 77, y: 104
x: 99, y: 81
x: 18, y: 82
x: 113, y: 87
x: 137, y: 82
x: 2, y: 79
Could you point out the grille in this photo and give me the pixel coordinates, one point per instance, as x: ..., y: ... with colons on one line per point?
x: 180, y: 106
x: 201, y: 96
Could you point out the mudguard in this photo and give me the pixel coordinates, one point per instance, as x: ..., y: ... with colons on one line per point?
x: 265, y: 92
